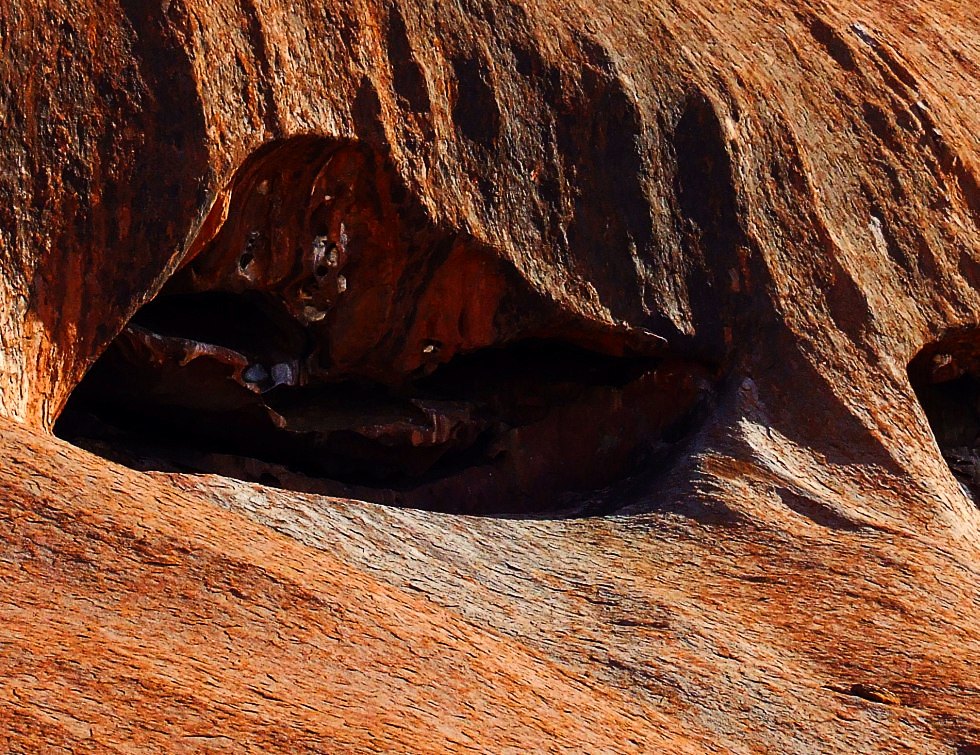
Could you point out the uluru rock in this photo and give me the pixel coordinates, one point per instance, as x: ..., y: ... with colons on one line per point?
x: 493, y: 376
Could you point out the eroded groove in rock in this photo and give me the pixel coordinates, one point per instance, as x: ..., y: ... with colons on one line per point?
x: 324, y: 327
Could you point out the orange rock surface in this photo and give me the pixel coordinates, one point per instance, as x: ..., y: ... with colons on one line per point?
x: 774, y: 207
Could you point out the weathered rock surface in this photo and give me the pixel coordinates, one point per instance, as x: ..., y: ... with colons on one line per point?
x: 755, y: 233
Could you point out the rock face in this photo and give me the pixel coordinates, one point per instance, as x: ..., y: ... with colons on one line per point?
x: 684, y: 302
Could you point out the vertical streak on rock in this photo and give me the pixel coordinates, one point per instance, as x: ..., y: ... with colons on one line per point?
x: 256, y: 36
x: 711, y: 232
x: 600, y: 137
x: 147, y: 149
x: 407, y: 76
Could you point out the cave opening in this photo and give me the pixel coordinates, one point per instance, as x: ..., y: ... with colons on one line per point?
x: 324, y: 335
x: 946, y: 378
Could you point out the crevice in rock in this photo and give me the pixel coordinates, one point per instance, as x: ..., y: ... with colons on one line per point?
x: 327, y: 337
x: 871, y: 692
x: 945, y: 375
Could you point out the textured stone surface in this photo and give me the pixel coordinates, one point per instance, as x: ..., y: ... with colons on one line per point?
x: 784, y: 193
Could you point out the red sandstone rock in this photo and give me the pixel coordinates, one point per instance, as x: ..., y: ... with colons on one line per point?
x: 765, y: 217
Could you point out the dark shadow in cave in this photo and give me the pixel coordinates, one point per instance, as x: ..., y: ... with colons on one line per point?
x: 535, y: 428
